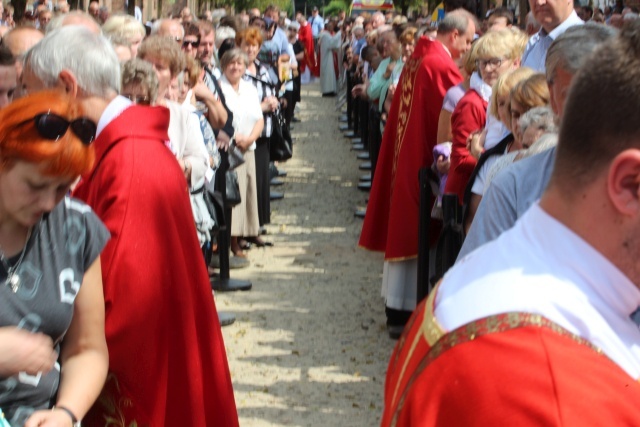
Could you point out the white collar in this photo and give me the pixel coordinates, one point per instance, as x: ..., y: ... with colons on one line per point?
x: 476, y: 83
x: 571, y: 20
x: 113, y: 110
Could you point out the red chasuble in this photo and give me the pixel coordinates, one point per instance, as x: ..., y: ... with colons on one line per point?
x: 391, y: 222
x: 306, y: 39
x: 167, y: 362
x: 513, y: 369
x: 469, y: 116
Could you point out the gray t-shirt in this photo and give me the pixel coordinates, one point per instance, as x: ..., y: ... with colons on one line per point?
x: 63, y: 245
x: 511, y: 194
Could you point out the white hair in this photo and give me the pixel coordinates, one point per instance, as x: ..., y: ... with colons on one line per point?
x: 223, y: 33
x: 90, y: 57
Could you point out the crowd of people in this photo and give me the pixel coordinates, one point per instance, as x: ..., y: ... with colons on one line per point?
x: 527, y: 131
x: 118, y: 140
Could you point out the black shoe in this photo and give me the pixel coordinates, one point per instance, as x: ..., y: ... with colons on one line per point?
x: 295, y: 120
x: 276, y: 182
x: 274, y: 195
x: 395, y: 331
x: 328, y: 95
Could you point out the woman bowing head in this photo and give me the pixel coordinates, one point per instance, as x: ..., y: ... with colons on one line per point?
x: 53, y: 355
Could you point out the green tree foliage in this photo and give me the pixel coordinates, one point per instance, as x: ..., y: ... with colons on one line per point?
x: 334, y: 7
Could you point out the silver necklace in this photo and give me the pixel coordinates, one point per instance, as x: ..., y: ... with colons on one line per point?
x: 13, y: 279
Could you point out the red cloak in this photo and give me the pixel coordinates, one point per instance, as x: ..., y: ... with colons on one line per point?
x: 167, y: 362
x: 469, y: 116
x: 306, y: 39
x: 513, y: 369
x: 391, y: 222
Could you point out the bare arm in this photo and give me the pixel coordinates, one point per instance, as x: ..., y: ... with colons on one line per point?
x: 84, y: 356
x: 217, y: 114
x: 244, y: 142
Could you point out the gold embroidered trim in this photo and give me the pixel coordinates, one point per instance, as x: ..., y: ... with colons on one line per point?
x: 430, y: 330
x: 114, y: 405
x: 488, y: 325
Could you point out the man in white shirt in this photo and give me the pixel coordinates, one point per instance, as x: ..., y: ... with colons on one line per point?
x: 554, y: 16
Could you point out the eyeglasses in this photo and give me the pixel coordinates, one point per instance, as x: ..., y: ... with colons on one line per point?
x: 194, y: 44
x: 52, y: 126
x: 138, y: 99
x: 493, y: 62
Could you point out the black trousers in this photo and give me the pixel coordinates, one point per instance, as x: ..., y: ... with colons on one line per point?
x: 262, y: 180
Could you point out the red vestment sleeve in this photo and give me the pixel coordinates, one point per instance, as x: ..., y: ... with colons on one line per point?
x: 494, y: 372
x: 469, y: 115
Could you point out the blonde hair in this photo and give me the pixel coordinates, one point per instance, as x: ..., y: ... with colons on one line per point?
x: 532, y: 92
x: 469, y: 61
x: 500, y: 44
x: 125, y: 26
x: 505, y: 83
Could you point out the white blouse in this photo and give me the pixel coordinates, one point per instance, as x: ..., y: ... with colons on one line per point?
x: 244, y: 104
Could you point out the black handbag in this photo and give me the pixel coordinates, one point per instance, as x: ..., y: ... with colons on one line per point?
x: 280, y: 144
x: 232, y: 189
x: 236, y: 158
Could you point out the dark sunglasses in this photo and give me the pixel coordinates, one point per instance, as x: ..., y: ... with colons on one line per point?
x: 194, y: 44
x: 51, y: 126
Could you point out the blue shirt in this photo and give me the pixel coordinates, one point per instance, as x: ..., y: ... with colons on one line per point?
x: 317, y: 25
x: 535, y: 53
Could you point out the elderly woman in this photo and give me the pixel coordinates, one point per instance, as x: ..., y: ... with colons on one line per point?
x: 496, y: 54
x: 263, y: 77
x: 248, y: 123
x: 126, y: 27
x: 388, y: 72
x: 53, y: 354
x: 500, y: 103
x: 139, y: 82
x: 185, y: 136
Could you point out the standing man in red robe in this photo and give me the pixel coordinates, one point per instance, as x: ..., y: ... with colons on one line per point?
x: 305, y: 36
x: 167, y: 361
x: 391, y: 222
x: 541, y: 326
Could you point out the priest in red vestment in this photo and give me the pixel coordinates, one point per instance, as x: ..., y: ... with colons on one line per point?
x: 167, y: 361
x: 541, y: 326
x: 391, y: 222
x: 305, y: 36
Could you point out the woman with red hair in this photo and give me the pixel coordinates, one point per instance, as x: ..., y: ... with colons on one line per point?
x: 264, y: 78
x: 52, y: 344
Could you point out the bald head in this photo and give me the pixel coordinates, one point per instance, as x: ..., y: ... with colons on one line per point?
x: 19, y: 41
x: 76, y: 17
x: 170, y: 28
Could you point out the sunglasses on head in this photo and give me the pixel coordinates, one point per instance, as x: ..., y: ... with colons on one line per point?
x: 52, y: 126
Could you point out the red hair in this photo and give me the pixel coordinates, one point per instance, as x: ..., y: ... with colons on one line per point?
x: 20, y: 140
x: 250, y: 36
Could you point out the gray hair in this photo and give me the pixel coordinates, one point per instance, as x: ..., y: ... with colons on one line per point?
x: 232, y: 55
x: 539, y: 117
x: 456, y: 20
x: 571, y: 48
x: 137, y: 71
x: 545, y: 142
x: 90, y: 58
